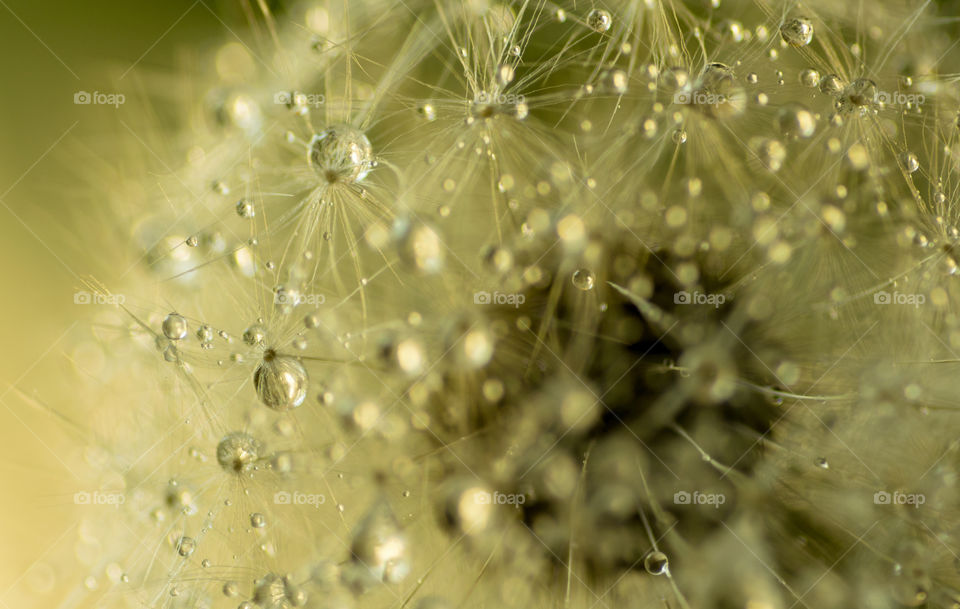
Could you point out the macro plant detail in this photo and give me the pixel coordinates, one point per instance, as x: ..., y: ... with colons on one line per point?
x: 516, y: 303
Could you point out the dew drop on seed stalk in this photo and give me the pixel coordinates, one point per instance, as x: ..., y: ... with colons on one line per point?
x: 809, y: 78
x: 238, y: 452
x: 174, y: 326
x: 255, y: 335
x: 341, y: 153
x: 257, y: 520
x: 655, y: 563
x: 599, y: 20
x: 245, y: 208
x: 186, y: 546
x: 583, y: 279
x: 797, y: 32
x: 831, y: 84
x: 280, y: 381
x: 908, y: 161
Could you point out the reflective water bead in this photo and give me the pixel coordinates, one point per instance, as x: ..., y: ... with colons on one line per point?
x: 281, y: 381
x: 583, y: 279
x: 258, y: 520
x: 656, y: 563
x: 186, y: 546
x: 245, y: 208
x: 797, y: 32
x: 908, y: 161
x: 599, y: 20
x: 809, y: 78
x: 341, y: 153
x: 174, y: 326
x: 238, y: 452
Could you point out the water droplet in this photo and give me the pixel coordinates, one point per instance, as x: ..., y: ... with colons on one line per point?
x: 238, y: 452
x: 186, y: 546
x: 245, y: 208
x: 796, y: 121
x: 255, y: 335
x: 231, y: 589
x: 656, y: 563
x: 380, y: 547
x: 341, y: 153
x: 174, y: 326
x: 419, y: 245
x: 193, y: 241
x: 771, y: 153
x: 809, y: 78
x: 599, y: 20
x: 908, y: 161
x: 679, y: 136
x: 583, y: 279
x: 281, y: 381
x: 257, y: 520
x: 797, y: 32
x: 831, y: 84
x: 822, y: 463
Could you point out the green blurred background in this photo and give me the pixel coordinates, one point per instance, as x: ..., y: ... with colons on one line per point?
x: 52, y: 49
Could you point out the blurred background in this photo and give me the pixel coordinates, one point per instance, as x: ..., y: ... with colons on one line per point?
x: 52, y: 50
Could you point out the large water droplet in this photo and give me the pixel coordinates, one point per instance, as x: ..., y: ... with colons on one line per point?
x: 281, y: 381
x: 238, y: 452
x: 174, y: 326
x: 797, y: 32
x: 380, y: 547
x: 656, y: 563
x: 341, y: 153
x: 583, y: 279
x: 599, y: 20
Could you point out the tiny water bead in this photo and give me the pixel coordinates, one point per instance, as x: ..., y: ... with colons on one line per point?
x: 583, y: 279
x: 238, y: 452
x: 281, y: 381
x: 174, y: 326
x: 809, y: 78
x: 258, y: 520
x: 797, y: 32
x: 599, y: 20
x: 186, y: 546
x: 419, y: 245
x: 255, y: 335
x: 908, y: 161
x: 656, y: 563
x: 831, y: 84
x: 341, y: 153
x: 379, y: 546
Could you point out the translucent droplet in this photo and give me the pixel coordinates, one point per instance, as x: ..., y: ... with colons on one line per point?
x: 245, y: 208
x: 831, y: 84
x: 255, y: 335
x: 822, y: 463
x: 174, y: 326
x: 258, y: 520
x: 861, y: 92
x: 656, y: 563
x: 795, y: 120
x: 419, y: 245
x: 583, y: 279
x: 599, y: 20
x: 809, y: 78
x: 379, y: 546
x: 679, y: 136
x: 238, y: 452
x: 797, y: 32
x: 771, y: 153
x: 193, y: 241
x: 186, y: 546
x: 274, y: 592
x: 281, y: 381
x: 908, y: 161
x: 341, y: 153
x: 231, y: 589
